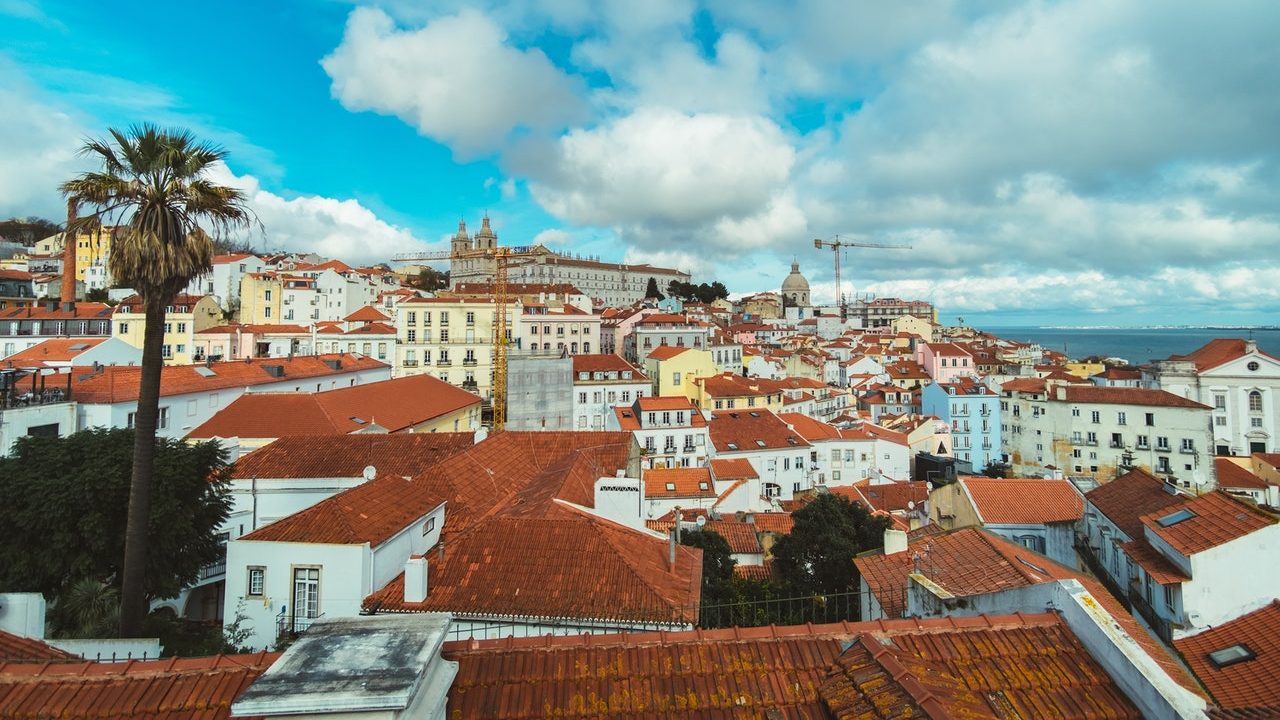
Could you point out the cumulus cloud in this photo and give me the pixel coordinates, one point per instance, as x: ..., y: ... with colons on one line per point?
x: 456, y: 79
x: 39, y: 145
x: 343, y: 229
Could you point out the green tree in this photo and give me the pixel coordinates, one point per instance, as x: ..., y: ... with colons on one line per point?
x: 430, y: 280
x: 817, y: 556
x: 152, y: 186
x: 67, y: 501
x: 28, y: 230
x: 651, y: 290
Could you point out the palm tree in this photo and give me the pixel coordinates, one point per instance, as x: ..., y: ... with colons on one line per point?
x: 151, y: 186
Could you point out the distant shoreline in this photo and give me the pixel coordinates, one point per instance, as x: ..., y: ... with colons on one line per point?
x: 1232, y: 328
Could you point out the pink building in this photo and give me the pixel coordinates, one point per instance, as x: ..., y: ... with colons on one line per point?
x: 945, y: 361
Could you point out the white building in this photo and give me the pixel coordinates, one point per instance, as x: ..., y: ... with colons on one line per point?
x: 223, y: 281
x: 601, y: 383
x: 541, y: 327
x: 670, y: 431
x: 1242, y: 385
x: 779, y: 454
x: 1088, y: 430
x: 846, y: 455
x: 659, y: 329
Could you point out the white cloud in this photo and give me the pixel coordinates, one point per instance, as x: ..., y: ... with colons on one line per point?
x: 456, y: 79
x: 552, y: 237
x: 342, y: 229
x: 39, y: 146
x: 657, y: 167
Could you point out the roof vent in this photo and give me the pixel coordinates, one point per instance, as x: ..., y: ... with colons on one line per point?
x: 334, y: 363
x: 276, y: 371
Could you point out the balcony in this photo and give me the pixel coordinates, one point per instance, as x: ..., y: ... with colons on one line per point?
x: 16, y: 398
x: 410, y: 363
x: 444, y: 362
x: 289, y: 627
x: 469, y: 363
x: 1116, y: 445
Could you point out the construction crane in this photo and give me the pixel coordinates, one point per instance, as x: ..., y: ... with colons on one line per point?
x: 500, y: 256
x: 835, y: 246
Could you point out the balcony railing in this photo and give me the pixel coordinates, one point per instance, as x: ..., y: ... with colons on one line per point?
x: 214, y: 569
x: 411, y: 363
x: 468, y: 363
x: 16, y: 398
x: 289, y: 627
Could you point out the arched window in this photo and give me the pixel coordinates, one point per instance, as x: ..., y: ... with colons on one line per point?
x: 1255, y: 401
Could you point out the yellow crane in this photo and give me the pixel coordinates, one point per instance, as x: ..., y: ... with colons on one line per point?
x: 501, y: 339
x: 835, y: 246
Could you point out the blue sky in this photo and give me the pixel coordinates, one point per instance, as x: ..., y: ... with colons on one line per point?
x: 1089, y: 162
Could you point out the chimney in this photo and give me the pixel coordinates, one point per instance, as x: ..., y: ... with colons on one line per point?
x: 1061, y: 392
x: 1250, y: 346
x: 671, y: 547
x: 415, y: 580
x: 895, y: 541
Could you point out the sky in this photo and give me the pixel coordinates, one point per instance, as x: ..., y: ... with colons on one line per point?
x: 1090, y: 162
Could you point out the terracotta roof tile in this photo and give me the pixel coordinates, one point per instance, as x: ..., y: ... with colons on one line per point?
x: 759, y: 573
x: 81, y: 311
x: 741, y: 536
x: 1131, y: 496
x: 117, y: 384
x: 1024, y: 501
x: 778, y: 523
x: 1127, y: 396
x: 393, y: 405
x: 1251, y: 684
x: 605, y: 363
x: 368, y: 313
x: 176, y: 688
x: 886, y: 497
x: 666, y: 352
x: 733, y: 469
x: 1216, y: 518
x: 678, y: 483
x: 747, y: 430
x: 1217, y: 352
x: 15, y: 648
x: 346, y: 456
x: 59, y: 350
x: 1161, y: 570
x: 1231, y: 475
x: 1031, y: 662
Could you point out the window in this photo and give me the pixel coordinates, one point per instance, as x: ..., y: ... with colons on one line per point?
x: 1091, y: 438
x: 124, y: 328
x: 257, y: 578
x: 1221, y: 420
x: 1231, y: 655
x: 1162, y: 442
x: 429, y: 525
x: 1255, y: 422
x: 582, y: 398
x: 1255, y: 401
x: 1143, y: 442
x: 413, y: 318
x: 266, y: 295
x: 306, y: 592
x: 182, y: 327
x: 1168, y: 597
x: 266, y: 312
x: 1219, y: 401
x: 1151, y: 419
x: 444, y: 319
x: 1188, y: 445
x: 471, y: 318
x: 166, y: 351
x: 1095, y: 416
x: 1175, y: 517
x: 1121, y: 419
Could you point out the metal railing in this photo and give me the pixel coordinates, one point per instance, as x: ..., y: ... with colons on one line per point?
x: 289, y: 627
x: 15, y: 398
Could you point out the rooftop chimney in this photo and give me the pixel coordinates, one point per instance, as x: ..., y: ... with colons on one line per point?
x: 895, y: 541
x: 415, y: 580
x: 1250, y: 346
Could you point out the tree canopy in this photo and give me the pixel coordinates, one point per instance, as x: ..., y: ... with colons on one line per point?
x: 651, y: 290
x: 28, y: 230
x: 430, y: 280
x: 66, y: 500
x: 702, y: 292
x: 817, y: 556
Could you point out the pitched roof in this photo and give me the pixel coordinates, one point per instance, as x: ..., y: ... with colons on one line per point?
x: 1218, y: 351
x: 16, y: 648
x: 80, y: 311
x: 1216, y: 518
x: 1253, y: 683
x: 741, y: 536
x: 678, y: 483
x: 605, y: 363
x: 117, y: 384
x: 886, y: 497
x: 1030, y: 662
x: 394, y: 405
x: 1024, y: 501
x: 1127, y: 396
x: 59, y: 350
x: 666, y: 352
x: 746, y: 430
x: 1161, y: 570
x: 346, y: 456
x: 733, y: 469
x: 368, y: 313
x: 1131, y: 496
x: 1231, y: 475
x: 176, y: 688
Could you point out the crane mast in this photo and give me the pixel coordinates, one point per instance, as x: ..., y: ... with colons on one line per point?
x: 835, y: 246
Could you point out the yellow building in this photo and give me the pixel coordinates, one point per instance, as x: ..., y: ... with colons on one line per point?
x: 450, y: 339
x: 1085, y: 370
x: 728, y: 391
x: 186, y: 316
x: 672, y: 370
x: 261, y: 295
x: 913, y: 325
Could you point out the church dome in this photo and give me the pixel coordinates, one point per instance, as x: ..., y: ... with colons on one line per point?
x: 795, y: 282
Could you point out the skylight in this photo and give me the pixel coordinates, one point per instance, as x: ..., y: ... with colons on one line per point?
x: 671, y: 487
x: 359, y: 421
x: 759, y: 443
x: 1175, y: 517
x: 733, y: 446
x: 205, y: 372
x: 1231, y: 655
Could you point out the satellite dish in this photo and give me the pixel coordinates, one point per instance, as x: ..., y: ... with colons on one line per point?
x: 911, y: 504
x: 370, y: 472
x: 701, y: 520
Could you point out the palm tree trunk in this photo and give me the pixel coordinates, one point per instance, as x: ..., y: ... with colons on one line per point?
x: 69, y: 255
x: 133, y: 600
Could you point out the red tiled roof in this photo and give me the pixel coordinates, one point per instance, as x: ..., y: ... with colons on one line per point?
x: 177, y: 688
x: 1024, y: 501
x: 1231, y: 475
x: 368, y: 313
x: 678, y: 483
x: 256, y: 329
x: 1161, y: 570
x: 747, y: 430
x: 778, y: 523
x: 395, y: 405
x: 666, y: 319
x: 1026, y: 385
x: 741, y: 536
x: 133, y: 303
x: 230, y: 258
x: 346, y: 456
x: 1131, y: 496
x: 666, y: 352
x: 8, y: 274
x: 759, y: 573
x: 1217, y: 352
x: 1127, y: 396
x: 605, y: 363
x: 81, y: 311
x: 1031, y: 663
x: 733, y: 469
x: 1251, y: 684
x: 60, y: 350
x: 568, y: 564
x: 373, y: 328
x: 15, y: 648
x: 1217, y: 518
x: 117, y: 384
x: 886, y: 497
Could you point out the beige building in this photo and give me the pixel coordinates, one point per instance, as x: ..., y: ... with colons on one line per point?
x: 261, y: 298
x: 450, y: 339
x: 185, y: 316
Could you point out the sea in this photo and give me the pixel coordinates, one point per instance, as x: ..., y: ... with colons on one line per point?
x: 1137, y: 345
